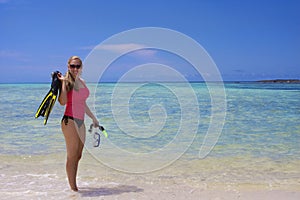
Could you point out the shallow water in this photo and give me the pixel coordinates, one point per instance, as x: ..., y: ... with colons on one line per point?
x: 259, y: 143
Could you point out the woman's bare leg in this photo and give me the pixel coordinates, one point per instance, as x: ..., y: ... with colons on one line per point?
x: 82, y: 135
x: 74, y: 146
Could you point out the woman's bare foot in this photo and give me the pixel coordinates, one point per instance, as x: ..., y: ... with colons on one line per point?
x: 75, y: 189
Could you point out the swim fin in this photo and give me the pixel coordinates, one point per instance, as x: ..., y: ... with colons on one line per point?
x: 48, y: 102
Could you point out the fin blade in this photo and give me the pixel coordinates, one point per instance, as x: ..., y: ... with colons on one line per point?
x: 105, y: 133
x: 43, y: 106
x: 49, y: 108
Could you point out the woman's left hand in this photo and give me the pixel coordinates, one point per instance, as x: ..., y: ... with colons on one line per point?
x: 96, y: 123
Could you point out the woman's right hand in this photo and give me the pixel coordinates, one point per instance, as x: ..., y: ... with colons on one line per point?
x: 61, y: 77
x: 63, y: 92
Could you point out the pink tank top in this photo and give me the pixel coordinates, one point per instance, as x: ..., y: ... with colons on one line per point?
x: 76, y: 103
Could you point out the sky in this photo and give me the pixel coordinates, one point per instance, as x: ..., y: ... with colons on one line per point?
x: 247, y: 40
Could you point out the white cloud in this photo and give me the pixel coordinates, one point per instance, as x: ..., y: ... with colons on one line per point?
x: 145, y: 52
x: 87, y: 48
x: 4, y: 1
x: 152, y: 72
x: 9, y: 54
x: 14, y: 55
x: 120, y: 48
x: 142, y: 50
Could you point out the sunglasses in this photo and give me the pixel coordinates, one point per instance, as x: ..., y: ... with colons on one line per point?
x: 75, y: 66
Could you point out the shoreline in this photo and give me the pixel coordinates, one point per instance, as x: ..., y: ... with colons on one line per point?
x: 44, y: 177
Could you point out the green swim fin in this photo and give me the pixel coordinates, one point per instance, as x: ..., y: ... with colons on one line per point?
x: 103, y: 131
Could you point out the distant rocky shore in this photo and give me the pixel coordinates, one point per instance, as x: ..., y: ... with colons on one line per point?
x: 280, y: 81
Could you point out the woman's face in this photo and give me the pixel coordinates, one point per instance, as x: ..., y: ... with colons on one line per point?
x: 75, y: 67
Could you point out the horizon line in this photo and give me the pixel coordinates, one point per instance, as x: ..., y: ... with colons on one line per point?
x: 231, y: 81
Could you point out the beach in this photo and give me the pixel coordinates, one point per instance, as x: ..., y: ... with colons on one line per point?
x: 44, y: 178
x: 257, y: 155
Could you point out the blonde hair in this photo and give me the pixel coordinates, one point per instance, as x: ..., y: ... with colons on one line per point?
x: 71, y: 82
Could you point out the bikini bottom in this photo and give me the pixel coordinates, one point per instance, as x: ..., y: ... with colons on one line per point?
x: 66, y: 118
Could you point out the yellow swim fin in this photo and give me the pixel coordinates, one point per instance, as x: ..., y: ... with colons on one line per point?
x: 44, y: 105
x: 48, y: 102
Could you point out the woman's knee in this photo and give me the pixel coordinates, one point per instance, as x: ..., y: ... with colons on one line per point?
x: 79, y: 157
x: 74, y: 156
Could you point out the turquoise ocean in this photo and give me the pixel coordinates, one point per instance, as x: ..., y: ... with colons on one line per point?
x: 258, y: 145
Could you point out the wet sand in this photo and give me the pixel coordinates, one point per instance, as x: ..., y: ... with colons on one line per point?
x: 43, y: 177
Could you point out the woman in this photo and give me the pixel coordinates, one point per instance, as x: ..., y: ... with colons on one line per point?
x: 73, y: 94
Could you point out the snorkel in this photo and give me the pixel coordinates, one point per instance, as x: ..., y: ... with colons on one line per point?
x: 97, y: 136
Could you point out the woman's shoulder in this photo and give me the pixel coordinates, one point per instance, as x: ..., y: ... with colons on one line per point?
x: 82, y: 81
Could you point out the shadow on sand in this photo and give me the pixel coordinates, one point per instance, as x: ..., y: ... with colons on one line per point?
x: 106, y: 191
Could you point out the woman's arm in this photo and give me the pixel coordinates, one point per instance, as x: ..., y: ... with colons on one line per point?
x: 88, y: 110
x: 91, y: 115
x: 63, y: 98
